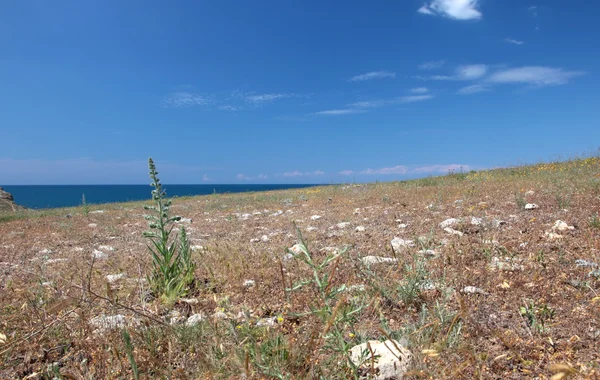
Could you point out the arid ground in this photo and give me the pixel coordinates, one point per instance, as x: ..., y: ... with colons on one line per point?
x: 490, y: 275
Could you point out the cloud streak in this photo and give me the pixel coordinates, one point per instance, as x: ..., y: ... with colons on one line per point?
x: 513, y: 41
x: 431, y: 65
x: 372, y: 75
x: 473, y: 89
x: 297, y: 173
x: 184, y: 99
x: 453, y: 9
x: 534, y: 75
x: 338, y: 112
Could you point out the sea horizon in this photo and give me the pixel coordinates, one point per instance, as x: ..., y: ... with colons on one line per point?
x: 61, y: 195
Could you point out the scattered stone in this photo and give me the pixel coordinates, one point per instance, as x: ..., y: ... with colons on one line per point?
x: 357, y: 288
x: 553, y: 236
x: 249, y: 283
x: 111, y: 278
x: 52, y: 261
x: 507, y: 264
x: 92, y: 225
x: 277, y: 213
x: 97, y: 212
x: 356, y: 211
x: 315, y: 217
x: 108, y: 322
x: 190, y: 301
x: 287, y: 257
x: 310, y: 228
x: 175, y: 317
x: 585, y: 263
x: 267, y: 322
x: 390, y: 359
x: 428, y: 252
x: 398, y: 243
x: 194, y: 319
x: 452, y: 231
x: 264, y: 239
x: 370, y: 260
x: 99, y: 254
x: 342, y: 225
x: 360, y: 229
x: 559, y: 225
x: 254, y: 240
x: 402, y: 225
x: 476, y: 221
x: 473, y: 290
x: 197, y: 248
x: 458, y: 202
x: 449, y: 222
x: 220, y: 315
x: 45, y: 251
x: 531, y: 206
x: 106, y: 248
x: 297, y: 249
x: 530, y: 193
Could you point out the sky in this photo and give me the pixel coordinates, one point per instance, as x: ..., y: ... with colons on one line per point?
x: 292, y: 91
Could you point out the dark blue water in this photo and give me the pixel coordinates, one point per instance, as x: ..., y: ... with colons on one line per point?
x: 52, y: 196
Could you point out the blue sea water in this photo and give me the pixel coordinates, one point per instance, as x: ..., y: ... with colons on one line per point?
x: 53, y: 196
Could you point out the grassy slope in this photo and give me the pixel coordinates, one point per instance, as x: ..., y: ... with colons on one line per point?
x: 529, y: 320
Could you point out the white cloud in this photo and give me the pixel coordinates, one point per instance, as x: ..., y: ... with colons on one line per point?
x: 413, y: 98
x: 347, y: 111
x: 420, y: 90
x: 297, y: 173
x: 473, y: 89
x: 431, y: 65
x: 533, y: 10
x: 464, y: 72
x: 243, y: 177
x: 368, y: 104
x: 372, y: 75
x: 228, y: 107
x: 440, y: 168
x: 454, y: 9
x: 205, y: 178
x: 183, y: 99
x: 263, y: 176
x: 346, y: 172
x: 266, y: 98
x: 514, y: 42
x: 400, y: 169
x: 534, y: 75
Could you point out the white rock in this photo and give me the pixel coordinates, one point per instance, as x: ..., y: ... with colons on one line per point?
x: 110, y: 278
x: 553, y: 236
x: 360, y: 229
x: 264, y: 238
x: 194, y: 319
x: 197, y: 248
x: 342, y: 225
x: 398, y: 243
x: 356, y: 211
x: 531, y: 206
x: 530, y: 193
x: 476, y: 221
x: 449, y: 222
x: 92, y: 225
x: 559, y: 225
x: 254, y: 240
x: 370, y: 260
x: 296, y: 249
x: 391, y: 359
x: 428, y: 252
x: 52, y: 261
x: 452, y: 231
x: 315, y: 217
x: 99, y: 254
x: 402, y: 225
x: 220, y: 315
x: 507, y: 264
x: 458, y: 202
x: 268, y: 322
x: 46, y: 251
x: 108, y: 322
x: 246, y: 216
x: 106, y: 248
x: 310, y: 228
x: 277, y: 213
x: 97, y: 212
x: 249, y: 283
x: 473, y: 290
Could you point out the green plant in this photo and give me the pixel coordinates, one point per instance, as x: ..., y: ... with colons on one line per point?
x: 520, y: 201
x: 85, y: 206
x: 594, y: 221
x: 129, y: 352
x: 329, y: 304
x: 172, y: 265
x: 537, y: 316
x: 409, y: 290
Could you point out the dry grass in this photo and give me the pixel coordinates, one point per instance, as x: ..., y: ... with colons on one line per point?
x: 539, y: 320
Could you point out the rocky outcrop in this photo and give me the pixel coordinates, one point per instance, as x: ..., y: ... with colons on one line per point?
x: 7, y: 202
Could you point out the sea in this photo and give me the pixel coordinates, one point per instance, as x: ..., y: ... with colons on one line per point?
x: 54, y: 196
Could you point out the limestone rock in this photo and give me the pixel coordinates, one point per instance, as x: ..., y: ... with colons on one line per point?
x: 370, y: 260
x: 391, y: 359
x: 7, y: 202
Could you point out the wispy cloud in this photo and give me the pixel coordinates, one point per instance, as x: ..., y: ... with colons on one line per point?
x: 183, y: 99
x: 534, y: 75
x: 419, y: 90
x: 372, y: 75
x: 260, y: 99
x: 205, y: 178
x: 399, y: 169
x: 368, y: 103
x: 514, y: 42
x: 463, y: 72
x: 347, y: 111
x: 533, y: 10
x: 473, y: 89
x: 229, y: 107
x: 431, y: 65
x: 297, y: 173
x: 413, y: 98
x: 243, y: 177
x: 454, y: 9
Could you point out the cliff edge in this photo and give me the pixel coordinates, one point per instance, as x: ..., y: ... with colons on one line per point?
x: 7, y: 202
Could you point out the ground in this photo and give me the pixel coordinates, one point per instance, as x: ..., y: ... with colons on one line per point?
x: 503, y: 291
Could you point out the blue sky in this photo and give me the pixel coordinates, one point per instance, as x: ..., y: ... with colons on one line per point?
x: 292, y: 91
